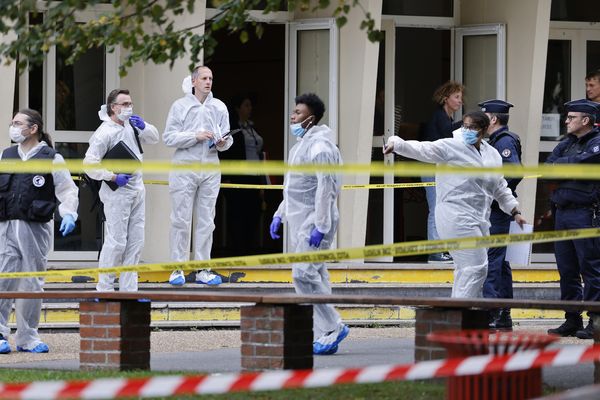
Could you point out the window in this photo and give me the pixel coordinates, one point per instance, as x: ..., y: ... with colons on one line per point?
x: 260, y: 6
x: 429, y: 8
x: 575, y: 10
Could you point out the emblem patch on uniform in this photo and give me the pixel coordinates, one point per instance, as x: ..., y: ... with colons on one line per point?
x: 39, y: 181
x: 506, y: 153
x: 596, y: 149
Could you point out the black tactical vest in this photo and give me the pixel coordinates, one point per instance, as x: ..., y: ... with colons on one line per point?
x: 27, y: 196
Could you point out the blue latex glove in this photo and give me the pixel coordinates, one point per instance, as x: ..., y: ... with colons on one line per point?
x: 137, y: 121
x: 315, y: 238
x: 122, y: 179
x: 67, y: 225
x: 275, y: 224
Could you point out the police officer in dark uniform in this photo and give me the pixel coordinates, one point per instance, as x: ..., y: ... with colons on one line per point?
x: 498, y: 284
x: 576, y: 204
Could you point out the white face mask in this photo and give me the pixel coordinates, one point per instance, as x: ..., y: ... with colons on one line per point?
x: 16, y: 134
x: 125, y: 113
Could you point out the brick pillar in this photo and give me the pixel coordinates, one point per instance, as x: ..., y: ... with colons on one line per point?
x: 276, y: 337
x: 114, y: 335
x: 443, y: 319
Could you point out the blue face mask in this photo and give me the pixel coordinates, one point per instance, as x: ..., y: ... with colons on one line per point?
x: 469, y: 136
x: 297, y: 129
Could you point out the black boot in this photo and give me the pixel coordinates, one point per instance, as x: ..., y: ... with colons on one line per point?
x: 587, y: 332
x: 493, y: 316
x: 503, y: 321
x: 569, y: 327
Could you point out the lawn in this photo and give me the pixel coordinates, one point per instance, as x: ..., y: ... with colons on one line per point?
x: 422, y: 390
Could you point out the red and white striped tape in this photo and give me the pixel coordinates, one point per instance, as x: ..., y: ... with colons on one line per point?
x: 158, y: 386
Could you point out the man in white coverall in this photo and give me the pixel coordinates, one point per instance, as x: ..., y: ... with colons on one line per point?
x: 196, y: 127
x: 124, y: 207
x: 463, y: 202
x: 309, y: 207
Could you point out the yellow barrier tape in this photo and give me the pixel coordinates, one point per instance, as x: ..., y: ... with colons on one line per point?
x: 406, y: 169
x: 280, y: 187
x: 397, y: 249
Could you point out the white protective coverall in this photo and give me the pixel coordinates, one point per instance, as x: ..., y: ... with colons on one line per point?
x: 124, y: 208
x: 24, y: 247
x: 196, y: 190
x: 309, y: 201
x: 463, y: 202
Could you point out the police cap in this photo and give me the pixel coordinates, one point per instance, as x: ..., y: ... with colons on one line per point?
x: 584, y: 106
x: 495, y: 106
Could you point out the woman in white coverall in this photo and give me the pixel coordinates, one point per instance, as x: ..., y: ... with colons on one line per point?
x: 463, y: 201
x: 27, y: 204
x: 195, y: 125
x: 124, y: 208
x: 309, y: 207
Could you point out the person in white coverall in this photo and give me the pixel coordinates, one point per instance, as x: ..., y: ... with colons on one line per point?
x: 124, y: 208
x: 27, y: 204
x: 309, y: 207
x: 463, y: 201
x: 196, y: 126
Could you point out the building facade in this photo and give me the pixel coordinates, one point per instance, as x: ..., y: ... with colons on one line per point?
x: 533, y: 53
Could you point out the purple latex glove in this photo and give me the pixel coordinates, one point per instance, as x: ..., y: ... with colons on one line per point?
x: 137, y: 121
x: 122, y: 179
x: 275, y: 224
x: 315, y: 238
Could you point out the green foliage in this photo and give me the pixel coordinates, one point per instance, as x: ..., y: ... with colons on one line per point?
x: 145, y: 29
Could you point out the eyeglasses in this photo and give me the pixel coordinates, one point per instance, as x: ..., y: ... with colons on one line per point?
x: 572, y: 117
x: 17, y: 124
x: 127, y: 104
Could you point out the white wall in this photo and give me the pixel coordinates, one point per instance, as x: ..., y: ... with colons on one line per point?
x: 527, y: 29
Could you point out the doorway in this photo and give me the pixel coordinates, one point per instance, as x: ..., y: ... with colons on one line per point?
x: 256, y: 70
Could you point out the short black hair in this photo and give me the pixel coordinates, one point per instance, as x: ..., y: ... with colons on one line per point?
x: 112, y: 97
x: 593, y: 75
x: 502, y: 118
x: 479, y: 118
x: 314, y: 104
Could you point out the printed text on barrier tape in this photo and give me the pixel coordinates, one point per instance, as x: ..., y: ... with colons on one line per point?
x: 568, y: 171
x: 161, y: 386
x: 397, y: 249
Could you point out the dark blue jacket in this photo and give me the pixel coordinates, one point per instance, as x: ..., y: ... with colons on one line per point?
x: 573, y: 150
x: 508, y: 145
x: 440, y: 126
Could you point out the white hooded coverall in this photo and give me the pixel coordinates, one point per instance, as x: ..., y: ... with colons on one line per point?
x: 197, y: 190
x: 463, y: 202
x: 24, y: 247
x: 310, y: 201
x: 124, y: 208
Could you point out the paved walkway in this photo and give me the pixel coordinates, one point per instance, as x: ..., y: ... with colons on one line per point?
x: 214, y: 351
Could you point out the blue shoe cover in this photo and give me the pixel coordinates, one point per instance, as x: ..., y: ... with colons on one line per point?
x: 324, y: 349
x: 342, y: 335
x: 4, y: 347
x: 215, y: 281
x: 40, y: 348
x: 177, y: 280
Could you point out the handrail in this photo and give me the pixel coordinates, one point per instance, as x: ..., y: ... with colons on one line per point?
x: 223, y: 296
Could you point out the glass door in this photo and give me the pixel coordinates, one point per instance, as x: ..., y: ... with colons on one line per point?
x: 312, y: 67
x: 572, y: 53
x: 480, y: 62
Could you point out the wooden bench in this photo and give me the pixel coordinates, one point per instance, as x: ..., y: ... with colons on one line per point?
x: 276, y: 330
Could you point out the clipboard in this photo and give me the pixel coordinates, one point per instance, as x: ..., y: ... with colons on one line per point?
x: 119, y: 151
x: 232, y: 132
